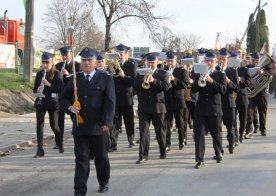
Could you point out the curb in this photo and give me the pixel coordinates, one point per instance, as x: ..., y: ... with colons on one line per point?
x: 5, y: 151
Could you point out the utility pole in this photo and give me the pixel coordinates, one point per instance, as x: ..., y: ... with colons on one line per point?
x: 258, y: 27
x: 29, y: 48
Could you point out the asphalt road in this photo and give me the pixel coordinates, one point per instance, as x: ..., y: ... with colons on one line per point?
x: 251, y: 170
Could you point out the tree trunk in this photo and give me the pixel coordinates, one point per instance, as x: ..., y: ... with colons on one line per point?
x: 107, y: 35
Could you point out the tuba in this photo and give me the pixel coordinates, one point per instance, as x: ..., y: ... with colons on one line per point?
x: 259, y: 82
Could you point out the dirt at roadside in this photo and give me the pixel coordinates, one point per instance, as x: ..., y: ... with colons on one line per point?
x: 13, y: 103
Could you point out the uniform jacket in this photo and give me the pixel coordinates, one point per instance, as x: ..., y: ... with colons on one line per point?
x: 97, y: 99
x: 209, y: 99
x: 174, y: 97
x: 228, y: 99
x: 69, y: 68
x: 245, y: 81
x: 124, y: 86
x: 152, y: 100
x: 50, y: 102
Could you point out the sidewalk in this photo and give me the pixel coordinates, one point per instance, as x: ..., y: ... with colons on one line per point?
x: 20, y: 131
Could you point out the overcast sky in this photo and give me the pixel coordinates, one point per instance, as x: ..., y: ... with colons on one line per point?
x: 201, y: 17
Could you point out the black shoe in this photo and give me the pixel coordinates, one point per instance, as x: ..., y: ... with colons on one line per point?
x: 39, y: 153
x: 112, y: 149
x: 168, y: 148
x: 120, y: 130
x: 263, y: 133
x: 199, y: 165
x: 231, y: 150
x: 256, y: 130
x: 219, y: 159
x: 141, y: 161
x: 103, y: 188
x: 137, y: 141
x: 181, y: 146
x: 163, y: 156
x: 131, y: 144
x: 185, y: 141
x: 174, y: 130
x: 61, y: 150
x: 241, y: 138
x: 56, y: 147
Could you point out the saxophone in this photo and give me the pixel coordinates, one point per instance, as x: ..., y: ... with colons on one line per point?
x: 187, y: 91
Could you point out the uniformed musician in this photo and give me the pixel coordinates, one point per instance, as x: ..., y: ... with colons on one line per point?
x: 100, y: 62
x: 260, y: 102
x: 66, y: 69
x: 174, y: 100
x: 49, y: 83
x: 229, y: 98
x: 254, y: 60
x: 189, y: 96
x: 95, y: 91
x: 209, y: 109
x: 151, y: 107
x: 124, y: 97
x: 244, y: 81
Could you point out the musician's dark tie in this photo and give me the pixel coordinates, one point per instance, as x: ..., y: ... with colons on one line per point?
x: 87, y: 78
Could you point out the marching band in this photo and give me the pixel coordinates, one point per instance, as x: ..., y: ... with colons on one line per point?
x: 202, y: 90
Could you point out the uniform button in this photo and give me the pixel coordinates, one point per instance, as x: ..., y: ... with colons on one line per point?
x: 84, y: 114
x: 85, y: 105
x: 85, y: 97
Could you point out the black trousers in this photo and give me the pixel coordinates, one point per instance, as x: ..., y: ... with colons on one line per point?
x: 213, y: 124
x: 259, y: 102
x: 191, y: 107
x: 178, y: 115
x: 228, y: 119
x: 61, y: 117
x: 84, y: 145
x: 128, y: 115
x: 160, y: 130
x: 241, y: 111
x: 40, y: 121
x: 256, y: 123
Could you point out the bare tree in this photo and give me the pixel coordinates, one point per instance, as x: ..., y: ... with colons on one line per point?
x: 191, y: 41
x: 62, y: 13
x: 165, y: 39
x: 114, y: 11
x: 234, y: 45
x: 162, y: 38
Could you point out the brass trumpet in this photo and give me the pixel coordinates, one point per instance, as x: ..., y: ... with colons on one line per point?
x: 146, y: 72
x: 202, y: 80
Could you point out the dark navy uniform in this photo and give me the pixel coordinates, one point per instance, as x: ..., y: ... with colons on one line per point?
x: 48, y: 104
x: 175, y: 105
x: 209, y: 113
x: 242, y: 102
x: 152, y: 107
x: 69, y: 67
x: 260, y: 102
x: 97, y: 99
x: 229, y: 105
x: 124, y: 104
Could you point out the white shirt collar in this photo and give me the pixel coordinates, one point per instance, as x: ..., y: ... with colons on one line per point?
x: 91, y: 74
